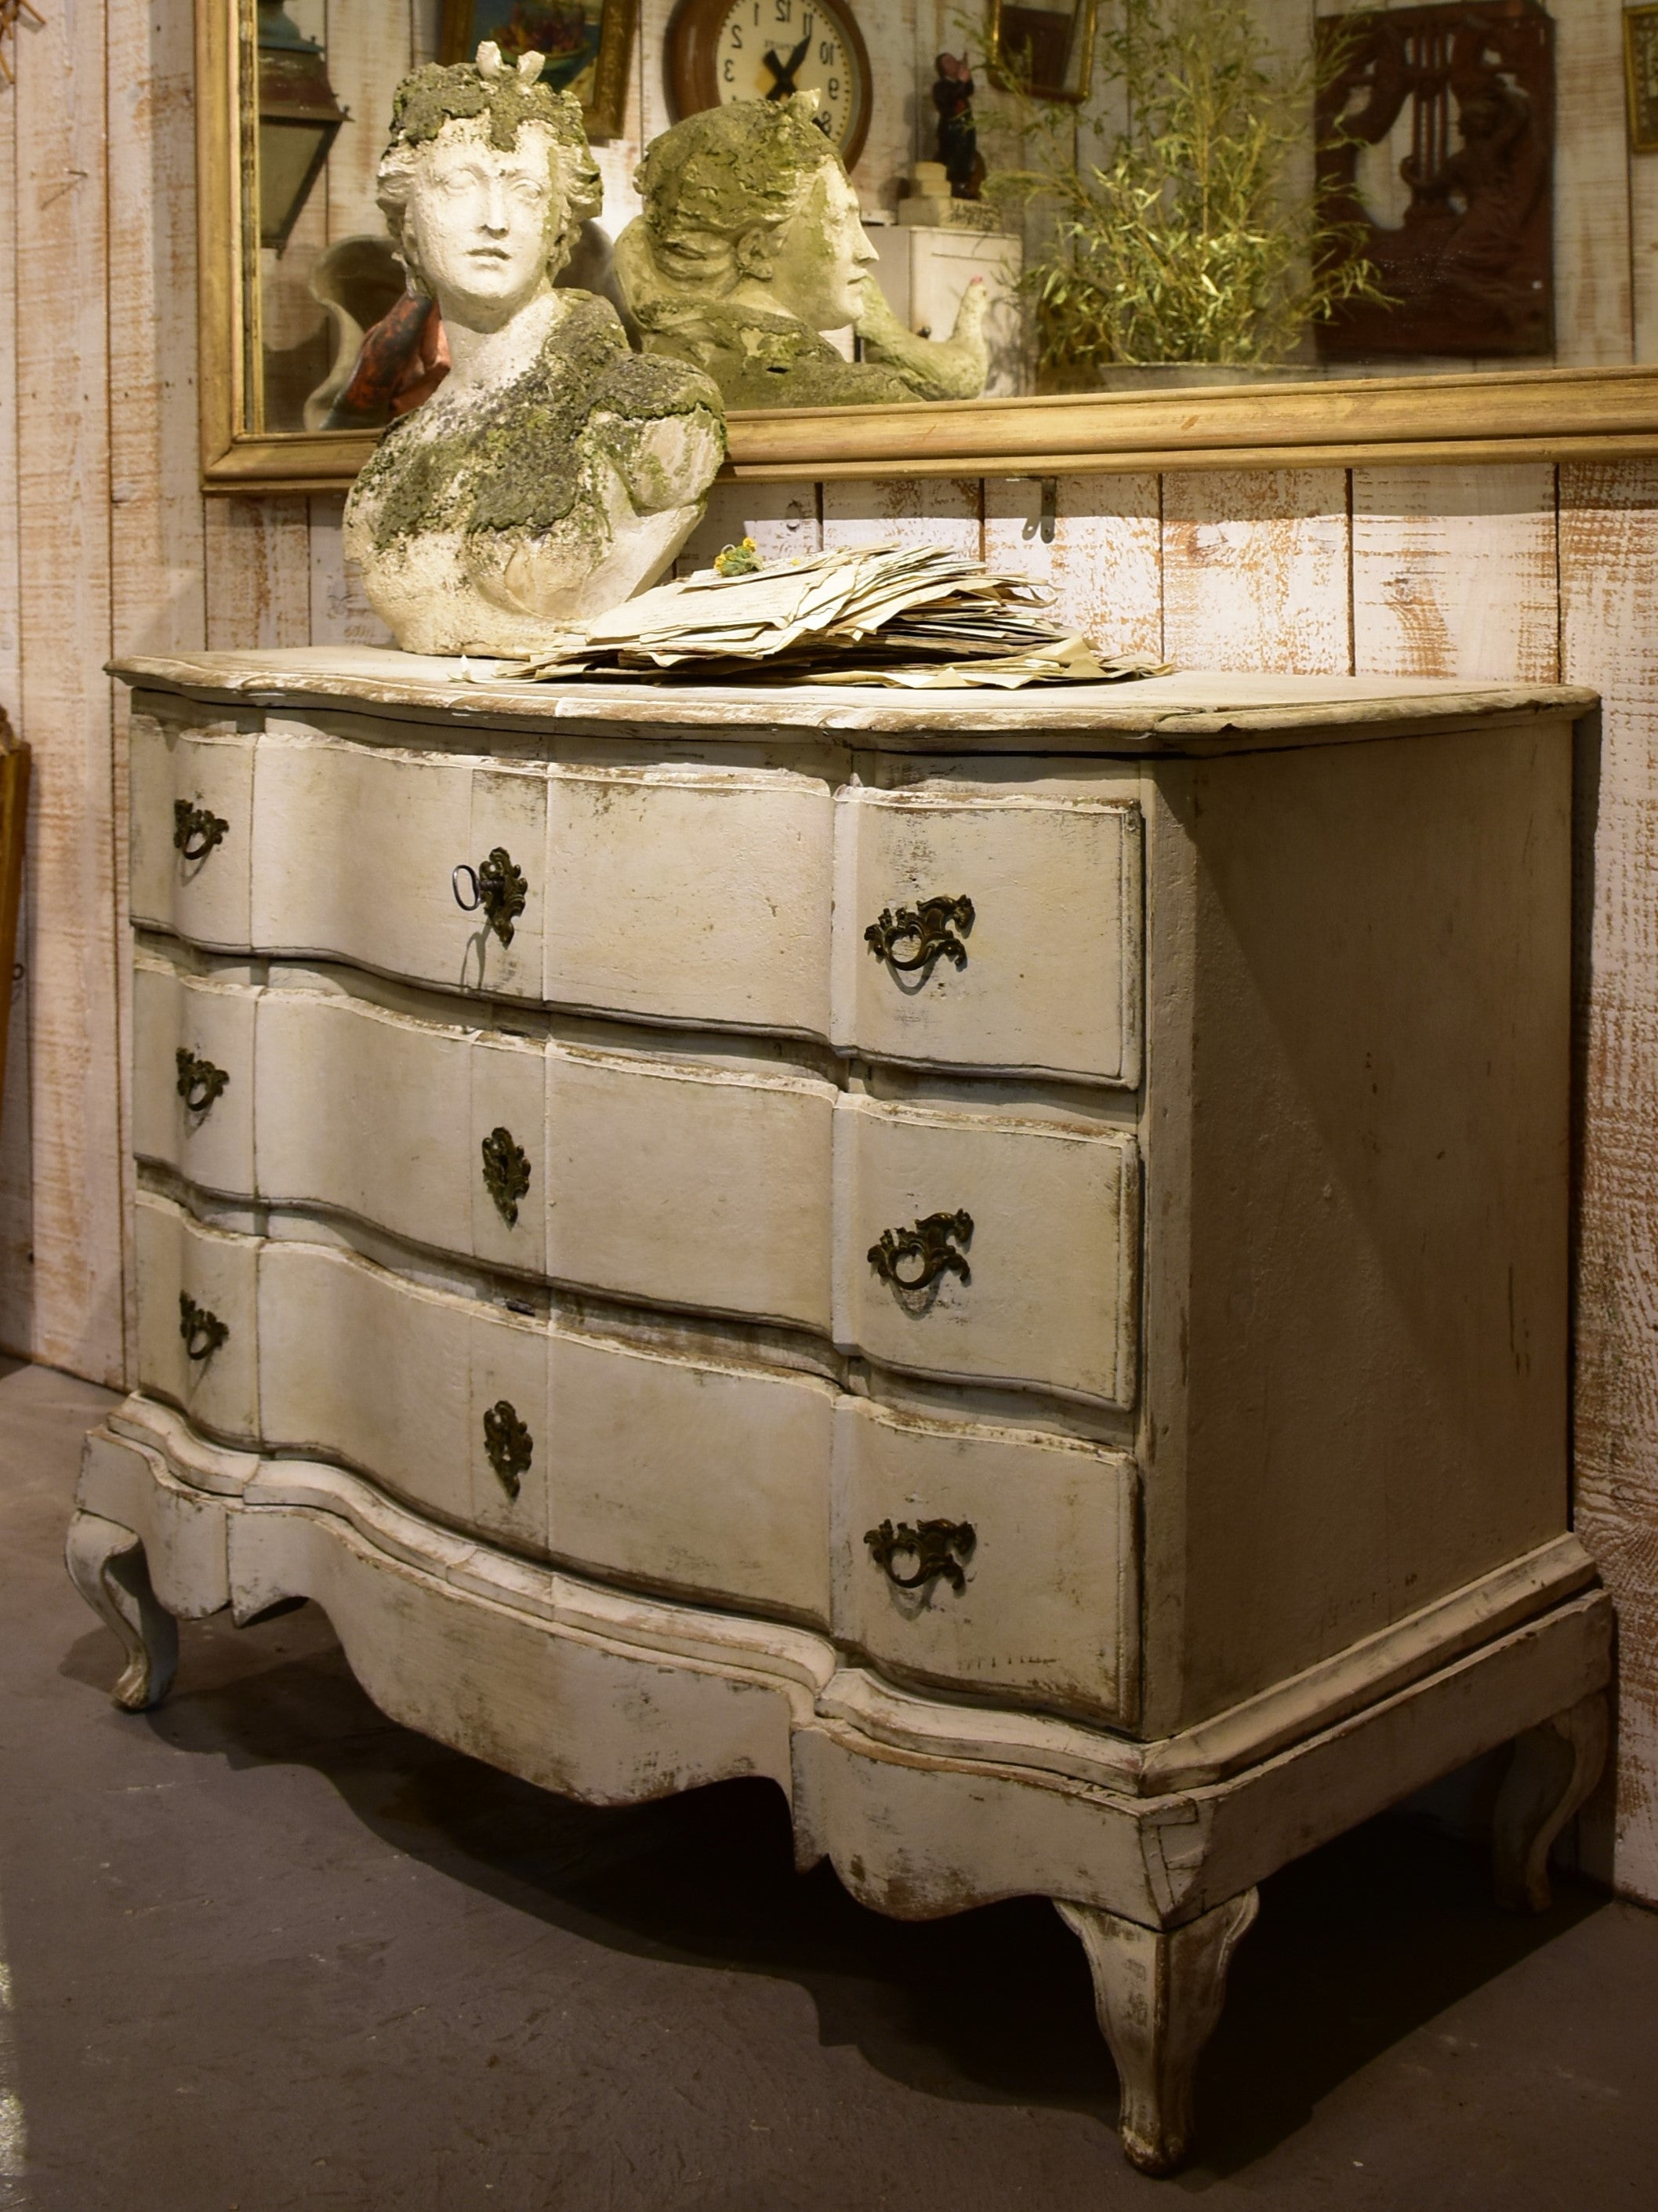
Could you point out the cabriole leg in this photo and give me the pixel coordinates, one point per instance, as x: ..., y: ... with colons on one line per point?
x: 1553, y: 1769
x: 106, y: 1563
x: 1158, y: 1993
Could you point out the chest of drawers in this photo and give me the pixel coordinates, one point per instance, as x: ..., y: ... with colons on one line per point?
x: 1002, y: 1262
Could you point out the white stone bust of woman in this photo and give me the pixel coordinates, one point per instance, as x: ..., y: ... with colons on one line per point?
x: 751, y: 245
x: 554, y: 473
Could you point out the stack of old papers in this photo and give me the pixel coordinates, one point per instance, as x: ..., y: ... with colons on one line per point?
x: 918, y: 615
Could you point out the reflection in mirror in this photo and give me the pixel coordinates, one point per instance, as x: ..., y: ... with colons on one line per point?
x: 1045, y: 45
x: 751, y: 245
x: 1434, y: 187
x: 318, y: 77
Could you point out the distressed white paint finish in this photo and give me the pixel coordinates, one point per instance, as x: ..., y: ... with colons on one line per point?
x: 1102, y: 561
x: 691, y: 1184
x: 781, y: 518
x: 1013, y: 992
x: 706, y: 1476
x: 1609, y: 562
x: 354, y: 853
x: 1456, y: 575
x: 1046, y: 1608
x: 415, y: 1422
x: 924, y: 511
x: 1255, y: 570
x: 1592, y: 314
x: 179, y: 1008
x: 1047, y: 1296
x: 340, y: 612
x: 63, y: 614
x: 691, y: 894
x: 180, y: 1257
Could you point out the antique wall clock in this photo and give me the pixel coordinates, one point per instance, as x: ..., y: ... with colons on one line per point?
x: 722, y: 50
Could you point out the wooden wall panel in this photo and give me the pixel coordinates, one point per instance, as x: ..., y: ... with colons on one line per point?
x: 1104, y: 560
x: 157, y: 590
x: 781, y: 518
x: 1592, y: 309
x: 64, y: 604
x: 258, y: 573
x: 339, y: 614
x: 1255, y: 570
x: 925, y: 510
x: 16, y: 1178
x: 1456, y: 573
x: 1609, y: 612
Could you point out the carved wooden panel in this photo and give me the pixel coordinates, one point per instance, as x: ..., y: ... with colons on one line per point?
x: 1436, y: 139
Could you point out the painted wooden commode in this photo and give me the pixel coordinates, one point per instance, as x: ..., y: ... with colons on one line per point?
x: 1000, y: 1261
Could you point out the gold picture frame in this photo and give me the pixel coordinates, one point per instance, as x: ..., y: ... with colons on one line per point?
x: 1641, y: 77
x: 1496, y: 415
x: 1085, y: 15
x: 604, y: 113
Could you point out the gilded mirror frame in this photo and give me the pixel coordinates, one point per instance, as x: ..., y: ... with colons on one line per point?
x: 1492, y: 416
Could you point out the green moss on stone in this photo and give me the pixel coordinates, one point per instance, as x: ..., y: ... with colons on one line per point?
x: 436, y: 95
x: 515, y: 462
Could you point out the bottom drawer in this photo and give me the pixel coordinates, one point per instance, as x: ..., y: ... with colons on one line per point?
x: 198, y: 1331
x: 695, y: 1476
x: 712, y: 1480
x: 1024, y: 1586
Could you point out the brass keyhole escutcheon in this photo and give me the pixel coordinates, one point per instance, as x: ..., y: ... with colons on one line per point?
x: 199, y: 1082
x: 929, y: 930
x: 202, y: 1331
x: 506, y: 1173
x: 508, y: 1446
x: 939, y: 1549
x: 497, y: 885
x: 914, y: 1258
x: 195, y: 830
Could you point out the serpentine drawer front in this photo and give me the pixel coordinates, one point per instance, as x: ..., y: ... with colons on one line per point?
x: 984, y: 929
x: 986, y: 1558
x: 1000, y: 1262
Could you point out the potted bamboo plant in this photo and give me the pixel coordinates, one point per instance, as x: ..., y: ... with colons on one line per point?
x: 1199, y: 241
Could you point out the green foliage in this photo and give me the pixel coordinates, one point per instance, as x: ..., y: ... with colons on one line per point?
x: 1202, y: 236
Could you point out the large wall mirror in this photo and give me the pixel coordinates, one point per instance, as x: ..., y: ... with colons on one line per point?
x: 1430, y: 231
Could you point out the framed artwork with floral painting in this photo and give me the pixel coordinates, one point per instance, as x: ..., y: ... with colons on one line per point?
x: 588, y: 45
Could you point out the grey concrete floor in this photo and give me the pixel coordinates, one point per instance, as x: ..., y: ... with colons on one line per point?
x: 267, y: 1950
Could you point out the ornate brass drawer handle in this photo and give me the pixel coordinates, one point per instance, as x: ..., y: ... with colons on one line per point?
x: 196, y: 831
x: 199, y: 1082
x: 506, y: 1173
x: 930, y: 925
x: 939, y: 1548
x: 508, y: 1445
x: 930, y: 1245
x: 202, y: 1331
x: 497, y: 886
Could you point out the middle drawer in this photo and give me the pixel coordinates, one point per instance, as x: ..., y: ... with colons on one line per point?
x: 745, y: 1187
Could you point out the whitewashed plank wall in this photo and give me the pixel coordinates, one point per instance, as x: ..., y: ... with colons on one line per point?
x: 106, y: 546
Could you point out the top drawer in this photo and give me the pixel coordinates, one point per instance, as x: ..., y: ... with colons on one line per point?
x: 965, y: 926
x: 990, y: 930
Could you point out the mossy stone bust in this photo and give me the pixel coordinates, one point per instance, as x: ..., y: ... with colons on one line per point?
x: 554, y: 473
x: 751, y: 245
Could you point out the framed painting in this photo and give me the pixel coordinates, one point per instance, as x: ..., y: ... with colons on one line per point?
x: 588, y: 45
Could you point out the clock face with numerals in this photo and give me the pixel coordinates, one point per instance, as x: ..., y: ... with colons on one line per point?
x: 724, y: 50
